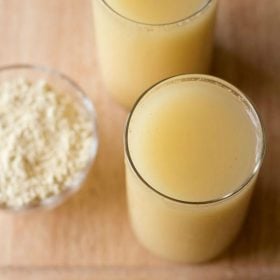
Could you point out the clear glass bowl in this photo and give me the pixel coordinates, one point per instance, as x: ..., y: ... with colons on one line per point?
x: 62, y: 84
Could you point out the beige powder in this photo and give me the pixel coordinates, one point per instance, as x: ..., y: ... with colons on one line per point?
x: 45, y: 142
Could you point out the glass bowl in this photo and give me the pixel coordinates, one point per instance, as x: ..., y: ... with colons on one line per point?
x: 62, y: 84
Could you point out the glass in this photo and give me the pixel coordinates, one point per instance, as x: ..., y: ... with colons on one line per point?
x: 181, y: 230
x: 63, y: 84
x: 134, y: 55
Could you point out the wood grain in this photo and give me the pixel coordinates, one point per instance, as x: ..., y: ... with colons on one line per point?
x: 89, y: 236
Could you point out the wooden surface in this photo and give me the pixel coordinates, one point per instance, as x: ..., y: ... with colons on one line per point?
x: 89, y: 236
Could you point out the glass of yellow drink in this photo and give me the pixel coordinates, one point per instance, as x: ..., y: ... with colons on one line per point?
x: 194, y: 145
x: 142, y: 42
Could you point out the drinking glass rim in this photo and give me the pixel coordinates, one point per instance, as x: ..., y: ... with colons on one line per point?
x: 232, y: 90
x: 185, y: 19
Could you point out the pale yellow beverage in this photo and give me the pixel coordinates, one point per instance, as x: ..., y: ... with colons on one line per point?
x: 194, y: 146
x: 142, y: 42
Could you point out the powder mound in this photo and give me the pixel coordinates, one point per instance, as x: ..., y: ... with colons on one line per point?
x: 46, y: 139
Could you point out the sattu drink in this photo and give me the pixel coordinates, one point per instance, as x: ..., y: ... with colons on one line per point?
x: 155, y: 11
x: 194, y: 145
x: 142, y: 42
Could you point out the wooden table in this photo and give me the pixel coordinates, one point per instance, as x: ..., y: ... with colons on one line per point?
x: 89, y: 236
